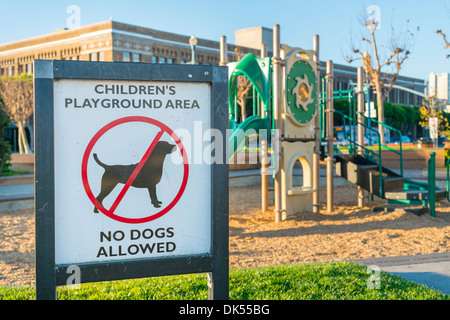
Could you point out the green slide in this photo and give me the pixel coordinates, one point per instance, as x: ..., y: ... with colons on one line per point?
x: 247, y: 129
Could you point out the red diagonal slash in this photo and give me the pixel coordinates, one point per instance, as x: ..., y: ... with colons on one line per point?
x: 94, y: 140
x: 136, y: 171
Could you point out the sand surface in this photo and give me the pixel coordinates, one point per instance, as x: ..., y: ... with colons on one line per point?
x: 348, y: 233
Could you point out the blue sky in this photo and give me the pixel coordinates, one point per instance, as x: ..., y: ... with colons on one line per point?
x: 336, y: 22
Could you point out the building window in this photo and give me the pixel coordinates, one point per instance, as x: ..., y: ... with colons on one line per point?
x: 29, y: 68
x: 101, y: 56
x: 93, y: 56
x: 136, y: 57
x: 162, y: 60
x: 126, y: 57
x: 154, y: 59
x: 170, y: 60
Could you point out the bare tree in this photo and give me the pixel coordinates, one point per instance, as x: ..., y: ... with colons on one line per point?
x: 244, y: 86
x: 17, y: 96
x: 447, y: 45
x: 382, y: 68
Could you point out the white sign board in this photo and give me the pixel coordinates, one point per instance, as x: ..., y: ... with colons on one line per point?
x: 433, y: 123
x: 125, y: 183
x: 370, y: 110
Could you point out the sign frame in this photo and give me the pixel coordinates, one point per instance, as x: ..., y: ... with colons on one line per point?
x: 49, y: 275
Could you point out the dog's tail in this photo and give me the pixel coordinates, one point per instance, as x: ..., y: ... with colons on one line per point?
x: 98, y: 161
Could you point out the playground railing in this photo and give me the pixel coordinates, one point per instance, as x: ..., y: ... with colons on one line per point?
x: 342, y: 94
x: 368, y: 152
x: 399, y: 152
x: 432, y: 183
x: 349, y: 95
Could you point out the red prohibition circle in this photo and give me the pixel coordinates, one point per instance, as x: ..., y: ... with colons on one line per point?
x: 99, y: 134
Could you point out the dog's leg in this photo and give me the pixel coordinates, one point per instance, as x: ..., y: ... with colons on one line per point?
x: 107, y: 186
x: 152, y: 191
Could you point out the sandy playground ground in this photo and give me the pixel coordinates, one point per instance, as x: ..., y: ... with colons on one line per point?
x: 348, y: 233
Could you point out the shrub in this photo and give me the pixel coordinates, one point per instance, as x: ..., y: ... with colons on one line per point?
x: 5, y: 148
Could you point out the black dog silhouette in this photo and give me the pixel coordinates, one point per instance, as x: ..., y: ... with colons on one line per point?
x: 148, y: 177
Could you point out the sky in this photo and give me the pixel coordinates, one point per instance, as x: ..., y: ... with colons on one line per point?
x: 338, y: 23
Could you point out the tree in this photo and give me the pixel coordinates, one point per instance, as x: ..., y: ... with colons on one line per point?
x: 5, y: 148
x: 431, y: 108
x: 244, y: 86
x: 17, y: 96
x: 382, y: 68
x: 444, y: 37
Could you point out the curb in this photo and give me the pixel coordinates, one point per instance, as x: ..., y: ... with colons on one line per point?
x: 18, y: 179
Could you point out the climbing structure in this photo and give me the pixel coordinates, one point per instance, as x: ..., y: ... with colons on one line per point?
x: 363, y: 165
x: 287, y: 101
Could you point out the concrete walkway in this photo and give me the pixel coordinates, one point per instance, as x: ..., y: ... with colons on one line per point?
x: 431, y: 270
x: 16, y: 196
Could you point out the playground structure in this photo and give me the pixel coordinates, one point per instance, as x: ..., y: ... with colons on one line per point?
x: 293, y: 116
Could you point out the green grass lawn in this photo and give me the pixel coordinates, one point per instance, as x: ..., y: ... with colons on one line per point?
x: 13, y: 173
x: 320, y: 281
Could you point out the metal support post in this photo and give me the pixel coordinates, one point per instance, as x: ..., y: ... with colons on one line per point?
x: 330, y: 140
x: 223, y: 51
x: 360, y: 119
x: 277, y: 118
x: 316, y: 154
x: 263, y: 154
